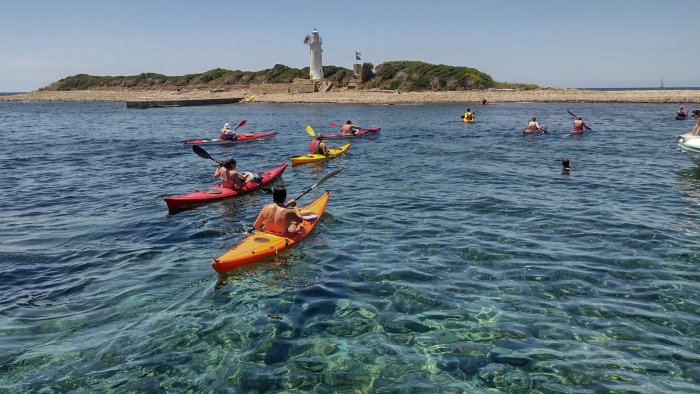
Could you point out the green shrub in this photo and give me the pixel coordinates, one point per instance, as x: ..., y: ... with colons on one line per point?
x: 404, y: 75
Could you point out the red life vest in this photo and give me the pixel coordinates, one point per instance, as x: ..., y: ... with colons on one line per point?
x: 313, y: 146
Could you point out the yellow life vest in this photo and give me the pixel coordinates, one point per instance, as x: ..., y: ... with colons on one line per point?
x: 532, y: 125
x: 468, y: 116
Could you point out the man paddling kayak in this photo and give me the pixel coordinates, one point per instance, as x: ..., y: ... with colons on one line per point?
x: 468, y: 116
x: 276, y: 218
x: 348, y: 128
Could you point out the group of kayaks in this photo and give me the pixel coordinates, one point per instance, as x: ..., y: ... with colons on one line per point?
x: 470, y: 117
x: 260, y: 245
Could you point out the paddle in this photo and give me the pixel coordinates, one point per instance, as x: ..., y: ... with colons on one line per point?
x: 585, y: 125
x: 203, y: 154
x: 243, y: 122
x: 310, y: 131
x: 320, y: 181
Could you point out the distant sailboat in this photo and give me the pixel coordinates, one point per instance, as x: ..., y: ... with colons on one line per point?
x: 662, y: 83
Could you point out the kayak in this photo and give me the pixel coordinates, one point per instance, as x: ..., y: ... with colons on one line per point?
x: 239, y: 138
x: 261, y: 245
x: 359, y: 133
x: 468, y: 120
x: 218, y: 192
x: 318, y: 157
x: 542, y: 129
x: 577, y: 132
x: 678, y: 117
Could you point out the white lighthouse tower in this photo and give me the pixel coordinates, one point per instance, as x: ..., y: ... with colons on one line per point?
x: 315, y: 65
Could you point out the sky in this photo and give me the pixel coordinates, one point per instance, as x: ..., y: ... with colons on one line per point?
x: 551, y: 43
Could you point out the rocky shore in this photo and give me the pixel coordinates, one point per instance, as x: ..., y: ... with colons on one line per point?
x: 376, y: 96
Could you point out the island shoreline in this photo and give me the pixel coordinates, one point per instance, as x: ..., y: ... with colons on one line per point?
x: 470, y: 97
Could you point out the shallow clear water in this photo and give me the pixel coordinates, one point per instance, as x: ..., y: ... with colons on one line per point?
x: 451, y: 257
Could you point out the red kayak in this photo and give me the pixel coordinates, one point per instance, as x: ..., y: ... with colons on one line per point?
x: 542, y: 129
x: 358, y: 133
x: 177, y: 203
x: 239, y: 138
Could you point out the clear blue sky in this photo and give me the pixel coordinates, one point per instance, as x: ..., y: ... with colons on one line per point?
x: 559, y: 43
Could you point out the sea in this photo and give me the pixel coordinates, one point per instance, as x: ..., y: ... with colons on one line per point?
x: 451, y: 258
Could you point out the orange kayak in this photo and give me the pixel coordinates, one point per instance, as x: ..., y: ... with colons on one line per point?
x: 261, y: 245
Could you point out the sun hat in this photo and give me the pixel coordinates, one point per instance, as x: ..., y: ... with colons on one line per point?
x: 227, y: 124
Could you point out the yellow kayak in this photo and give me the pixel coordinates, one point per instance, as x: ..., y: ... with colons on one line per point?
x: 317, y: 157
x: 261, y: 245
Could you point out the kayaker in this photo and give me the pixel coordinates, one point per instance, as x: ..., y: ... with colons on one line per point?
x: 229, y: 177
x: 468, y: 116
x: 276, y: 218
x: 348, y: 128
x: 565, y: 166
x: 533, y: 125
x: 681, y: 113
x: 317, y: 146
x: 227, y: 133
x: 580, y: 125
x: 696, y: 129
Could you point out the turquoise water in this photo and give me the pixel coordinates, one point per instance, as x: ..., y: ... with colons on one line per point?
x: 451, y: 257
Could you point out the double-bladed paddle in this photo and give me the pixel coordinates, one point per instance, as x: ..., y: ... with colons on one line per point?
x: 203, y: 154
x: 243, y: 122
x: 320, y: 181
x: 585, y: 125
x: 310, y: 131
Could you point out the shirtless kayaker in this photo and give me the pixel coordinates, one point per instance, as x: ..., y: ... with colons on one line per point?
x: 276, y: 218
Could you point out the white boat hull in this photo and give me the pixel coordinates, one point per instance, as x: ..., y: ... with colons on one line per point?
x: 690, y: 146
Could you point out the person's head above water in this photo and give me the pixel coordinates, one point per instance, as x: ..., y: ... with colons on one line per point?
x: 279, y: 194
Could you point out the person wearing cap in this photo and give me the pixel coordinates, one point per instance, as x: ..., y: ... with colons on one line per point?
x: 681, y: 113
x: 229, y: 177
x: 227, y: 133
x: 533, y: 125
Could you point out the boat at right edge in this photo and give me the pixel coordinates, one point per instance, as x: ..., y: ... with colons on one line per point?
x: 690, y: 146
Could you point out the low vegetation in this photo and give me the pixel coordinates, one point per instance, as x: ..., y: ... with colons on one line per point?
x: 401, y: 75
